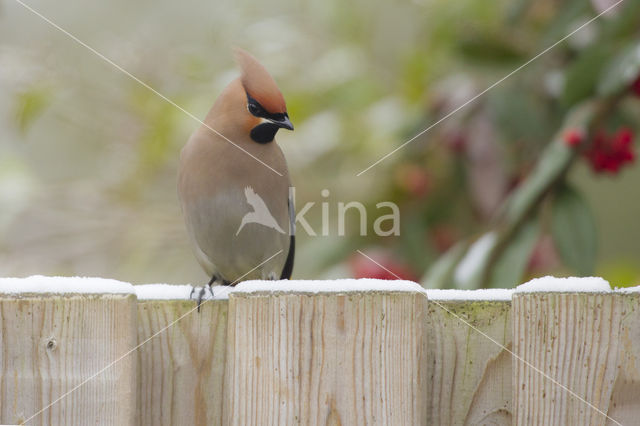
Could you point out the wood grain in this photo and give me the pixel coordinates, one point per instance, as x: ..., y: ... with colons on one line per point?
x: 584, y: 341
x: 469, y: 375
x: 51, y: 343
x: 328, y: 359
x: 624, y: 406
x: 181, y: 370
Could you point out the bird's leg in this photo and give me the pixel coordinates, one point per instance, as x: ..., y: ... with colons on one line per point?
x: 200, y: 296
x: 213, y: 279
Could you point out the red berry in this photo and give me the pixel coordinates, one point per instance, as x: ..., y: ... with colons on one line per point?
x: 632, y: 156
x: 622, y: 139
x: 627, y: 156
x: 599, y: 141
x: 599, y: 161
x: 609, y: 153
x: 612, y: 165
x: 573, y: 137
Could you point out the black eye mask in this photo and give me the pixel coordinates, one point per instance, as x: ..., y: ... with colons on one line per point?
x: 265, y: 132
x: 258, y: 110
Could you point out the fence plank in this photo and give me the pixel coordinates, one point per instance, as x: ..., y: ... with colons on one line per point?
x: 581, y: 341
x: 51, y: 343
x: 624, y: 406
x: 469, y: 376
x: 329, y: 359
x: 354, y: 357
x: 181, y: 370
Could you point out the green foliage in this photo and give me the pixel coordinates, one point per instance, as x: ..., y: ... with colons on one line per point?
x: 552, y: 163
x: 415, y: 77
x: 622, y: 71
x: 440, y: 274
x: 574, y: 230
x: 621, y: 272
x: 511, y: 266
x: 30, y: 104
x: 491, y: 48
x: 583, y: 74
x: 520, y: 115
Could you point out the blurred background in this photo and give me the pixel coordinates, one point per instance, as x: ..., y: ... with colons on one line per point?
x: 88, y: 156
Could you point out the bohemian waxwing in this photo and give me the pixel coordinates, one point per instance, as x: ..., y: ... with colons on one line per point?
x: 233, y: 183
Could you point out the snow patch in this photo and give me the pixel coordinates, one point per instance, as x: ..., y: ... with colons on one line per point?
x: 565, y: 285
x: 178, y: 292
x: 327, y: 286
x: 163, y: 291
x: 628, y: 290
x: 63, y: 285
x: 490, y: 294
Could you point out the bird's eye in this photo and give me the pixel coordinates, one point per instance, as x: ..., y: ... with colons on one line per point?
x: 253, y: 108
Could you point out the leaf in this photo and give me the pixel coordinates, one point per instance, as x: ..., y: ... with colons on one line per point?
x: 470, y: 271
x: 554, y: 161
x: 583, y: 74
x: 30, y: 104
x: 622, y: 71
x: 440, y: 274
x: 520, y: 115
x: 491, y: 48
x: 511, y: 266
x: 414, y: 246
x: 565, y: 18
x: 574, y: 230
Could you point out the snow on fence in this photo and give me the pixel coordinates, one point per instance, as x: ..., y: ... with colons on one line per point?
x: 336, y: 353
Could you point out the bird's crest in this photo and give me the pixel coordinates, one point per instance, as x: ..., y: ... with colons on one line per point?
x: 259, y: 84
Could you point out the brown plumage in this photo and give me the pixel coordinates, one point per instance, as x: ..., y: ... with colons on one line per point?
x: 258, y: 83
x: 219, y: 183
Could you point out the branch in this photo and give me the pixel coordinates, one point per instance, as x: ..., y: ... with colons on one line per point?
x: 525, y: 201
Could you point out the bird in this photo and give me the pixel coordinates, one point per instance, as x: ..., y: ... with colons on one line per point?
x: 232, y: 151
x: 260, y: 214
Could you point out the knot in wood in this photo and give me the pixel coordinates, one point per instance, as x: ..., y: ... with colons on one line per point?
x: 52, y: 344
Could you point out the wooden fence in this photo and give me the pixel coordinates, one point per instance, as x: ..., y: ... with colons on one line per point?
x: 340, y: 358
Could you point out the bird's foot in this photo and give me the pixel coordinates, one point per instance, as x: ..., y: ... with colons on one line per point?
x: 201, y: 294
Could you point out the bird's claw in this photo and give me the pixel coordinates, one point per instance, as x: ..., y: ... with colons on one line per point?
x: 201, y: 293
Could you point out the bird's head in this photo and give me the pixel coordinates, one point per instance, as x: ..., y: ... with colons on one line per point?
x: 260, y: 105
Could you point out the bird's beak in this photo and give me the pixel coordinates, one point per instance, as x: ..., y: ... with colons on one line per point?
x: 285, y: 123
